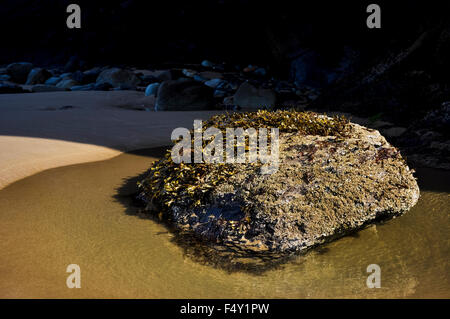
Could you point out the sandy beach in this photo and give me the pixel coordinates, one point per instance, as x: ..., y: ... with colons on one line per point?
x: 47, y: 130
x: 84, y: 214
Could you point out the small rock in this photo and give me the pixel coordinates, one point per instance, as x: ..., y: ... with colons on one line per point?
x: 80, y: 77
x: 207, y: 64
x: 37, y: 76
x: 249, y: 68
x: 381, y: 124
x: 152, y: 89
x: 185, y: 95
x: 117, y: 77
x: 213, y: 83
x: 260, y: 72
x: 91, y: 75
x: 200, y: 78
x: 19, y: 71
x: 67, y: 84
x: 165, y: 75
x: 189, y: 73
x: 248, y: 96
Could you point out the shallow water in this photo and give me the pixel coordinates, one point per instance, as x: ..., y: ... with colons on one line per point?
x: 72, y: 215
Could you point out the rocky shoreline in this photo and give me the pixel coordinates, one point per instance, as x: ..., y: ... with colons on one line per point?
x: 219, y: 86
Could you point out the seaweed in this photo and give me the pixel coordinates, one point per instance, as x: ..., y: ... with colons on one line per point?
x: 190, y: 183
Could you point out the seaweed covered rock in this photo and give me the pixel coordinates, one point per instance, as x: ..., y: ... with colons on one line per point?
x: 334, y: 177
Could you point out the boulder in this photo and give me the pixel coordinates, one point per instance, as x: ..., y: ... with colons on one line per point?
x: 117, y: 77
x: 38, y: 76
x: 152, y: 89
x: 19, y: 71
x: 248, y: 96
x: 53, y: 80
x: 92, y: 74
x: 67, y: 83
x: 333, y: 178
x: 184, y: 95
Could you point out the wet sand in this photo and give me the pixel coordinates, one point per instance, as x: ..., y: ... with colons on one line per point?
x: 74, y: 215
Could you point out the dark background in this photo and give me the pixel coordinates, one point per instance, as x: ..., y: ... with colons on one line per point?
x: 236, y: 31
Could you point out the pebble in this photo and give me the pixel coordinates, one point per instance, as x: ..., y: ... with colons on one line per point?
x: 213, y: 83
x: 53, y: 80
x: 200, y: 78
x: 152, y: 89
x: 207, y: 64
x: 260, y: 71
x: 189, y: 73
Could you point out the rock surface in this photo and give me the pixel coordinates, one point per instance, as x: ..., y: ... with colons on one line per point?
x: 19, y: 71
x: 184, y: 95
x: 326, y: 187
x: 38, y: 76
x: 67, y: 83
x: 117, y: 77
x: 248, y: 96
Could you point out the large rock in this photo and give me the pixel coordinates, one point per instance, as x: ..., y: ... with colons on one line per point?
x: 117, y: 77
x: 67, y: 83
x: 19, y: 71
x: 248, y: 96
x: 38, y: 76
x: 326, y: 186
x: 91, y: 75
x: 184, y: 95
